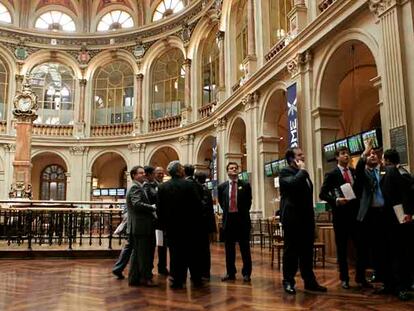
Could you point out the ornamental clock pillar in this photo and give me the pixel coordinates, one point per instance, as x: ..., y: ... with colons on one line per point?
x: 24, y: 111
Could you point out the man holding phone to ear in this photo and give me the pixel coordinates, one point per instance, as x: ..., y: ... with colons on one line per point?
x: 298, y: 220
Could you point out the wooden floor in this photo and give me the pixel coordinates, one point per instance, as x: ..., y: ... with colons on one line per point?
x: 88, y: 285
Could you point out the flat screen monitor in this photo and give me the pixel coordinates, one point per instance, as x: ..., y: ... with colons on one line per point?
x: 120, y: 192
x: 355, y: 144
x: 96, y: 192
x: 341, y: 143
x: 275, y: 167
x: 329, y: 152
x: 282, y: 164
x: 209, y: 185
x: 375, y: 135
x: 104, y: 192
x: 112, y: 192
x: 268, y: 170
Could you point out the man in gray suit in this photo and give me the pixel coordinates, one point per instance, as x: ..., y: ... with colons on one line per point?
x: 141, y: 230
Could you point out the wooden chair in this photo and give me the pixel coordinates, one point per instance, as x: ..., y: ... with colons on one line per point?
x: 318, y: 246
x: 256, y: 231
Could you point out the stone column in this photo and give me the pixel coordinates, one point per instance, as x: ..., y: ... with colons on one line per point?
x: 298, y: 17
x: 135, y: 154
x: 79, y: 130
x: 390, y: 22
x: 88, y: 188
x: 251, y: 108
x: 221, y: 91
x: 9, y: 151
x: 186, y: 112
x: 251, y: 38
x: 187, y: 145
x: 221, y: 126
x: 77, y: 189
x: 138, y: 105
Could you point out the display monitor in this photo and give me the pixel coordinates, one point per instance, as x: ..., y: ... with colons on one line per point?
x: 355, y: 144
x: 120, y: 192
x: 282, y: 164
x: 245, y: 176
x: 104, y: 192
x: 96, y: 192
x: 275, y: 167
x: 268, y: 170
x: 341, y: 143
x: 375, y: 135
x: 329, y: 152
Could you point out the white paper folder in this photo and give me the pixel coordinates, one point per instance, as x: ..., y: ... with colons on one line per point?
x: 159, y: 236
x: 348, y: 192
x: 399, y: 212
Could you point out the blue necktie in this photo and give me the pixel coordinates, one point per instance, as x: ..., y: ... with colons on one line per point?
x: 378, y: 199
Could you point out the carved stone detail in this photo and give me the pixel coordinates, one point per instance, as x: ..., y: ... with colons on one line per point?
x: 9, y: 147
x: 135, y: 147
x: 250, y: 101
x: 186, y: 139
x: 299, y: 63
x: 78, y: 150
x: 378, y: 7
x: 221, y: 124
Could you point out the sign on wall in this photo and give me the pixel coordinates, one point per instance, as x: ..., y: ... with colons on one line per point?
x: 398, y: 139
x: 292, y: 116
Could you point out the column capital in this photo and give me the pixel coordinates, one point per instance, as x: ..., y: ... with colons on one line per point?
x: 78, y: 150
x: 134, y: 147
x: 220, y: 124
x: 82, y: 82
x: 139, y: 76
x: 299, y: 63
x: 19, y: 78
x: 220, y: 35
x: 186, y: 139
x: 250, y: 101
x: 379, y: 7
x: 187, y: 62
x: 9, y: 148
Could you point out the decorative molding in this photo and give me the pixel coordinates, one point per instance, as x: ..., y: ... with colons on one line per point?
x: 135, y: 147
x: 9, y: 148
x: 250, y: 101
x: 220, y: 35
x: 379, y: 7
x: 186, y: 139
x: 300, y: 62
x: 78, y: 150
x: 139, y: 77
x: 82, y: 82
x: 220, y: 124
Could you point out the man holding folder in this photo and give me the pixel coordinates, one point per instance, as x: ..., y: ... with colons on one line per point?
x: 338, y: 192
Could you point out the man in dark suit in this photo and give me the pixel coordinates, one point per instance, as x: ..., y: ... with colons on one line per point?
x: 396, y: 188
x: 179, y: 212
x: 344, y: 214
x: 235, y: 198
x: 141, y: 230
x: 298, y: 220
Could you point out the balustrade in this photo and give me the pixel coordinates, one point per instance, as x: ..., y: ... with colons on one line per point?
x: 52, y: 130
x: 206, y: 110
x: 325, y: 4
x: 165, y: 123
x: 112, y: 129
x: 279, y: 46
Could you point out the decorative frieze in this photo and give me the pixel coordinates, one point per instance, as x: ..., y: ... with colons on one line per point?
x: 78, y: 150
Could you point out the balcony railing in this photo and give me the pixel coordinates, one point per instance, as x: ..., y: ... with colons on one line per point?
x: 206, y: 110
x: 34, y: 225
x: 279, y: 46
x: 112, y: 129
x: 165, y: 123
x: 325, y: 4
x: 52, y: 130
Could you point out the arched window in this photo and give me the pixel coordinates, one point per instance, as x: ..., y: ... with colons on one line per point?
x: 278, y: 17
x: 4, y: 78
x: 241, y: 36
x: 115, y: 20
x: 55, y: 20
x: 113, y: 94
x: 211, y: 56
x: 53, y: 183
x: 5, y: 16
x: 54, y: 85
x: 167, y: 8
x: 168, y: 85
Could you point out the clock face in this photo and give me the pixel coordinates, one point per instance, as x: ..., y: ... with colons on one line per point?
x: 24, y: 104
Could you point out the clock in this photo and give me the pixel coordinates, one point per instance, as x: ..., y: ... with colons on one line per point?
x: 24, y: 104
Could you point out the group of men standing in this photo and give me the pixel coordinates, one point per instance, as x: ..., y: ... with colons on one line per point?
x: 367, y: 215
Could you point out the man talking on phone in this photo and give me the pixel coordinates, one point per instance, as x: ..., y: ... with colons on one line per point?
x: 298, y: 220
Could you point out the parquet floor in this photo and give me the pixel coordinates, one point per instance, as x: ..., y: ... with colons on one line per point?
x: 88, y: 285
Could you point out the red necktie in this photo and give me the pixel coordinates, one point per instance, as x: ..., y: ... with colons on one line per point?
x: 233, y: 204
x: 346, y: 176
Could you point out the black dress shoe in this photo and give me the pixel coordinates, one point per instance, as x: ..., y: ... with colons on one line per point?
x: 247, y: 279
x: 316, y: 288
x: 118, y: 275
x: 289, y: 289
x: 345, y: 284
x: 228, y: 278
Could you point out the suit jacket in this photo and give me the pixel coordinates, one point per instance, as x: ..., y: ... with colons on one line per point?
x: 179, y: 210
x: 244, y: 203
x: 365, y: 188
x: 396, y: 186
x: 331, y: 185
x: 296, y: 204
x: 140, y: 211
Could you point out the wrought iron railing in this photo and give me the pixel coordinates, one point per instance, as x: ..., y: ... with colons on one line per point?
x: 74, y: 225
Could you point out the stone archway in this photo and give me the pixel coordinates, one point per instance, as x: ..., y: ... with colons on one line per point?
x: 163, y: 156
x: 205, y: 155
x: 237, y: 144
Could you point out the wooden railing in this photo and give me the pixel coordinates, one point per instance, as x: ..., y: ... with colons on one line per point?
x: 164, y: 123
x: 80, y: 225
x: 280, y: 45
x: 112, y: 129
x: 206, y: 110
x: 325, y: 4
x: 3, y: 127
x: 52, y: 130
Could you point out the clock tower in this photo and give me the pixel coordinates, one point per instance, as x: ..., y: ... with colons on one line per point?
x: 24, y: 111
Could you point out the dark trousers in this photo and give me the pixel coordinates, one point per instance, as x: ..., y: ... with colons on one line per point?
x: 162, y: 258
x: 244, y: 245
x: 298, y: 252
x: 141, y: 259
x: 205, y: 256
x: 345, y: 229
x: 183, y: 257
x: 123, y: 258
